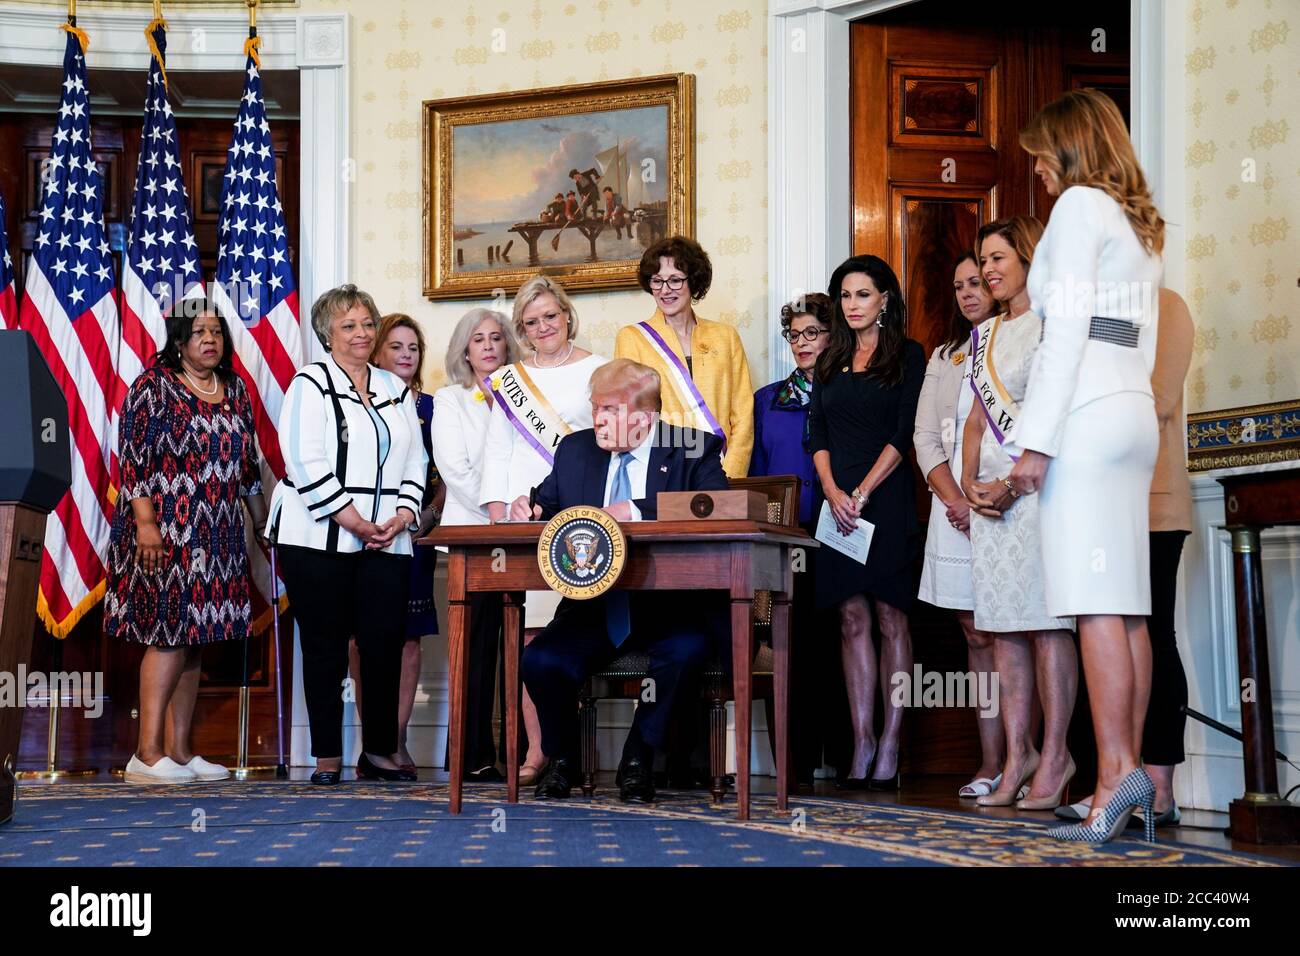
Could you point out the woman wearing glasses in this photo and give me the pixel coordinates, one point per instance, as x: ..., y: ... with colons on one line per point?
x: 547, y: 399
x: 781, y: 447
x: 701, y: 363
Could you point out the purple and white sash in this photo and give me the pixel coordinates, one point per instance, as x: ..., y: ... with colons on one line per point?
x: 528, y: 410
x: 687, y: 393
x: 991, y: 395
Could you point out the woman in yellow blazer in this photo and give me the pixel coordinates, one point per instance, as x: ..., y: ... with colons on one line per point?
x: 702, y: 366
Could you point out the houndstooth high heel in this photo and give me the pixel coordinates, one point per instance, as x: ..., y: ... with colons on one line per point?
x: 1135, y: 790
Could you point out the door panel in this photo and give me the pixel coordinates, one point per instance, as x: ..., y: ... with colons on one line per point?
x: 939, y: 93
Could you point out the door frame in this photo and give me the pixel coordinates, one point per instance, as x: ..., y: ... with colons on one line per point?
x: 317, y: 46
x: 808, y: 162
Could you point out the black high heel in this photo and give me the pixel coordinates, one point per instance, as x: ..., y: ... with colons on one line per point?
x: 894, y: 783
x: 368, y: 771
x: 326, y: 778
x: 857, y: 783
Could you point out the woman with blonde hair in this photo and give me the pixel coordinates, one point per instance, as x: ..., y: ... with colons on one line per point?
x: 1033, y: 649
x: 481, y: 343
x: 548, y: 399
x: 1088, y: 430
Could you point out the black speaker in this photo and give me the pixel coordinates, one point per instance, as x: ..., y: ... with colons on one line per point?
x: 35, y: 448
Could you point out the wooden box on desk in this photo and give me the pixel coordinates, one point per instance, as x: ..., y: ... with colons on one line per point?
x: 720, y: 505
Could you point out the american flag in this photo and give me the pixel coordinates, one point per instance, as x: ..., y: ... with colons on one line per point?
x: 255, y: 292
x: 8, y: 297
x: 255, y: 289
x: 161, y: 262
x: 70, y: 309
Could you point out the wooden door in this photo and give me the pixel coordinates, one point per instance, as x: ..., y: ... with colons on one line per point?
x: 940, y: 92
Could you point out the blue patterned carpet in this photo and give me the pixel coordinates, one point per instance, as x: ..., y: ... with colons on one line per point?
x: 279, y: 823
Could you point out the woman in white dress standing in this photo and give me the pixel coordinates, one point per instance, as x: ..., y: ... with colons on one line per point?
x: 1033, y: 648
x: 540, y: 400
x: 946, y: 400
x: 480, y: 344
x: 1088, y: 429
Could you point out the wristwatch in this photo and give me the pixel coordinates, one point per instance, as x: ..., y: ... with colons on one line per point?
x: 859, y: 497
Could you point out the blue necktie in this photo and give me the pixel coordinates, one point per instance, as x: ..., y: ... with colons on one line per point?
x: 618, y: 620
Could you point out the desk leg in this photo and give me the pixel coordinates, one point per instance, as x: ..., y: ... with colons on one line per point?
x: 1259, y: 815
x: 742, y: 661
x: 781, y: 690
x: 458, y: 623
x: 513, y: 620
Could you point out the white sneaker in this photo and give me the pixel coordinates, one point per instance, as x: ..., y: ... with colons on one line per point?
x: 206, y: 770
x: 166, y: 770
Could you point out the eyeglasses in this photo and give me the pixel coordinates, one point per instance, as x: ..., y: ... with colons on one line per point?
x: 810, y: 334
x: 672, y: 282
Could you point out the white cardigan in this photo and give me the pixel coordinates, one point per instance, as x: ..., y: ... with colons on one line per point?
x: 460, y: 425
x: 1088, y: 263
x: 331, y: 449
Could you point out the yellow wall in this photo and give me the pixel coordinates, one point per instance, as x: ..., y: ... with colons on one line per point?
x: 406, y: 51
x: 1243, y: 238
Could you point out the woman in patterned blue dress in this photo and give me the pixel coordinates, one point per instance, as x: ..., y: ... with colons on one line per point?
x: 177, y: 563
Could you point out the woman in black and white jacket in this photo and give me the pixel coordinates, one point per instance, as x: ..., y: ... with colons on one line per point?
x: 342, y: 517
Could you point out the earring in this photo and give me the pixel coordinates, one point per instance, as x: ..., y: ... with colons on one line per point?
x: 880, y: 319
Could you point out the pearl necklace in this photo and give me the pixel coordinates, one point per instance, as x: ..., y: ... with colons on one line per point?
x: 199, y: 388
x: 537, y: 358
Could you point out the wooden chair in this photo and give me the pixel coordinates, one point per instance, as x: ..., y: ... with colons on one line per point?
x: 622, y: 678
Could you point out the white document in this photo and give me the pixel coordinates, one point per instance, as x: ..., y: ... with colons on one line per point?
x: 856, y: 544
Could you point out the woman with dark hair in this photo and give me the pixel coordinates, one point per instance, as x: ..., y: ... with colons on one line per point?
x: 782, y: 446
x: 946, y: 400
x: 177, y: 564
x: 861, y: 419
x: 701, y: 363
x: 1032, y: 648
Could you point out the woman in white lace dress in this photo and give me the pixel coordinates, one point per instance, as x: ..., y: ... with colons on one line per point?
x: 1032, y: 648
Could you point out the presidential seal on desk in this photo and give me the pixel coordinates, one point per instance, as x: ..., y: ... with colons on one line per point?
x: 581, y: 552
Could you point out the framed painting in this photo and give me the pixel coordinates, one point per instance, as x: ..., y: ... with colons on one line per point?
x: 572, y: 181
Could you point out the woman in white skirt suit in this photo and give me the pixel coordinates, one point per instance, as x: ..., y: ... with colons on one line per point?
x: 1088, y: 428
x: 946, y: 400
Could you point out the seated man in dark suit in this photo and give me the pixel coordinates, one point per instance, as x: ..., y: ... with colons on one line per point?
x: 621, y: 465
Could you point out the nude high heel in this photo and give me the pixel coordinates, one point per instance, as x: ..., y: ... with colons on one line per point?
x: 1050, y: 802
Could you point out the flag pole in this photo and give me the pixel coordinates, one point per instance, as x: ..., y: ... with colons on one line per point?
x: 243, y: 770
x: 281, y: 768
x: 51, y: 771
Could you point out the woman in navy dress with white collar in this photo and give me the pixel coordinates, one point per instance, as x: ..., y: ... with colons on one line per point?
x: 1087, y: 435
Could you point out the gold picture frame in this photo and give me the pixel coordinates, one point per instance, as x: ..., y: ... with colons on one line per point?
x: 610, y: 128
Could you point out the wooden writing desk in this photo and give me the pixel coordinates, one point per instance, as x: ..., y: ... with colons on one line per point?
x: 739, y: 557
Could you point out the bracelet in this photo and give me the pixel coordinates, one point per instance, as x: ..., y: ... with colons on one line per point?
x: 1006, y: 482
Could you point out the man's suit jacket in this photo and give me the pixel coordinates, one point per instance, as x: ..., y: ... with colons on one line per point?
x: 682, y: 459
